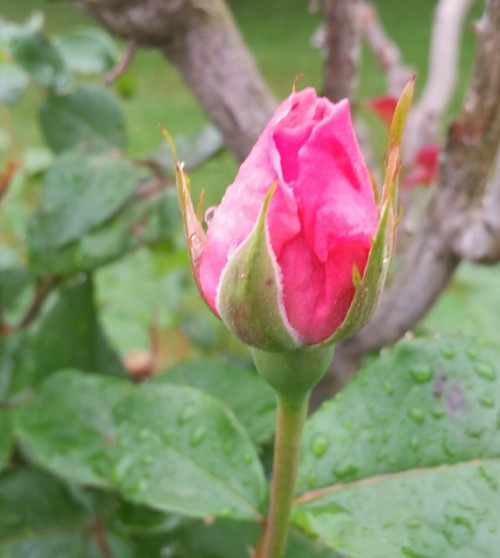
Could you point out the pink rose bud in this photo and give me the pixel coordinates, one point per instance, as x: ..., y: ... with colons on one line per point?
x: 297, y: 251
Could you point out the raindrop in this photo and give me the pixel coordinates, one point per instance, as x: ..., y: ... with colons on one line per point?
x: 228, y: 447
x: 485, y: 371
x: 449, y: 447
x: 421, y: 374
x: 490, y: 480
x: 388, y: 388
x: 186, y: 415
x: 417, y: 415
x: 448, y: 352
x: 197, y: 436
x: 487, y: 401
x: 247, y: 458
x: 471, y: 353
x: 474, y: 432
x: 437, y: 413
x: 225, y: 511
x: 413, y: 523
x: 346, y: 470
x: 414, y: 443
x: 381, y: 456
x: 209, y: 214
x: 319, y: 444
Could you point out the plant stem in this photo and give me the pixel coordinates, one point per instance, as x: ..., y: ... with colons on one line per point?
x: 289, y: 427
x: 292, y: 375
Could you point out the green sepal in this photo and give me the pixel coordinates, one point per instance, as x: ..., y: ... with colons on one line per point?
x: 195, y: 235
x: 249, y: 298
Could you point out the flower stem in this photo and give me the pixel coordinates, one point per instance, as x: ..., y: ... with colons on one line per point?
x: 289, y: 427
x: 292, y: 375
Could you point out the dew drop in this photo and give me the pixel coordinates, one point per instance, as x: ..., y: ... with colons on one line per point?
x: 490, y: 480
x: 345, y: 470
x: 319, y: 444
x: 421, y: 374
x: 471, y: 353
x: 186, y: 415
x: 381, y: 456
x: 485, y: 371
x: 437, y: 413
x: 474, y: 432
x: 448, y: 352
x: 209, y: 214
x: 417, y: 415
x: 247, y: 458
x: 388, y: 388
x: 413, y: 523
x: 414, y: 443
x: 228, y: 447
x: 225, y: 511
x: 487, y: 401
x: 197, y: 436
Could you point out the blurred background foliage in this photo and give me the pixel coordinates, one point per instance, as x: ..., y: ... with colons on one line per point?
x: 151, y: 288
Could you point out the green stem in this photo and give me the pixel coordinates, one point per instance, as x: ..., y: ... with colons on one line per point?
x: 292, y: 375
x: 289, y: 427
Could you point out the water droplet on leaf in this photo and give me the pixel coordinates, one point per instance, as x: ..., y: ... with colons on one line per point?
x: 345, y: 470
x: 388, y: 388
x: 487, y: 401
x: 197, y: 436
x: 417, y: 414
x: 319, y: 444
x: 186, y: 415
x: 421, y: 374
x: 448, y: 352
x: 485, y: 371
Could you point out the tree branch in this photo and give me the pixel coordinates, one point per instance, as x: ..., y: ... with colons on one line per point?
x: 424, y: 119
x: 203, y: 42
x: 465, y: 167
x: 342, y: 49
x: 385, y: 50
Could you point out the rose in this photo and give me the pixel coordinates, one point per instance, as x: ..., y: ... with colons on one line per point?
x: 285, y: 259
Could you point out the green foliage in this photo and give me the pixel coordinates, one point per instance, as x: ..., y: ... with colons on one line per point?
x: 88, y: 117
x: 413, y: 426
x: 403, y: 463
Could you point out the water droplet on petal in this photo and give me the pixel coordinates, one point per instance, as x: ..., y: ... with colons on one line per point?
x: 197, y: 436
x: 421, y: 374
x: 209, y: 214
x: 417, y: 415
x: 319, y: 444
x: 485, y: 371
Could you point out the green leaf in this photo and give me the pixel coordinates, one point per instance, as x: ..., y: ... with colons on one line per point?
x: 67, y: 427
x: 17, y: 366
x: 140, y: 222
x: 6, y: 437
x: 450, y: 512
x: 42, y: 61
x: 39, y: 517
x: 16, y: 290
x: 471, y: 304
x: 70, y: 336
x: 87, y: 50
x: 424, y: 403
x: 405, y: 461
x: 13, y: 82
x: 242, y: 390
x: 43, y: 518
x: 180, y: 450
x: 89, y: 117
x: 79, y: 193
